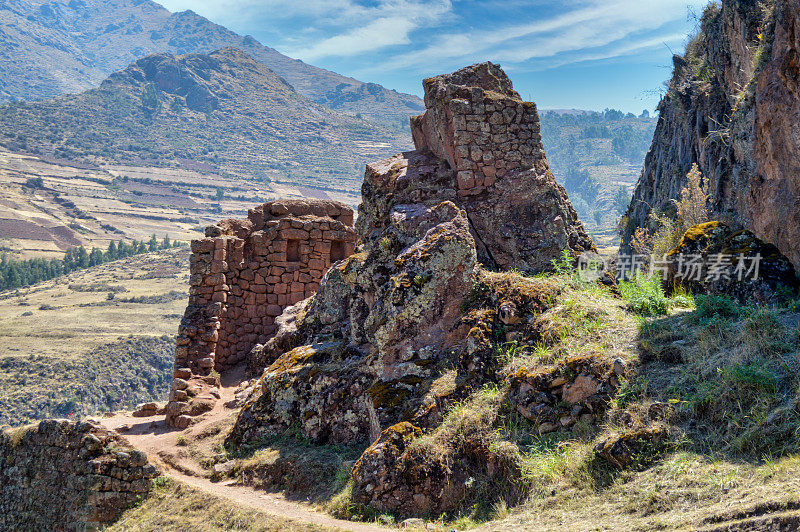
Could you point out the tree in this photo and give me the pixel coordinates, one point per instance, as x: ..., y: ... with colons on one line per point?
x: 166, y: 243
x: 622, y: 199
x: 152, y: 245
x: 693, y: 205
x: 111, y: 254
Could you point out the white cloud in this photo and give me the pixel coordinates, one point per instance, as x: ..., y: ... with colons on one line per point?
x: 377, y: 27
x: 595, y: 24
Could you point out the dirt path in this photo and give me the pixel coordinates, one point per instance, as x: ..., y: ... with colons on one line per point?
x: 164, y: 447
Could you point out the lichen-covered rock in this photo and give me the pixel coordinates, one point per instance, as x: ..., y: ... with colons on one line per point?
x: 747, y: 147
x: 637, y: 448
x: 478, y: 145
x: 736, y: 263
x: 392, y: 311
x: 559, y: 396
x: 395, y: 476
x: 67, y: 475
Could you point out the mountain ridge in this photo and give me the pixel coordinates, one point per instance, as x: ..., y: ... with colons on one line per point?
x: 52, y: 48
x: 224, y: 110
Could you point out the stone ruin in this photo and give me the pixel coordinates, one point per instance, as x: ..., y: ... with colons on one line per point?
x: 479, y: 145
x: 243, y: 275
x: 477, y: 188
x: 365, y: 351
x: 68, y: 475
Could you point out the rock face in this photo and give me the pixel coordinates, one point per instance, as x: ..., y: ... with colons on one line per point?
x: 243, y: 275
x: 478, y: 145
x: 64, y: 475
x: 733, y: 107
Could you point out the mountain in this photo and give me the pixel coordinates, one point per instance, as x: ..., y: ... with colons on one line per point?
x: 50, y: 48
x: 732, y: 107
x: 223, y: 112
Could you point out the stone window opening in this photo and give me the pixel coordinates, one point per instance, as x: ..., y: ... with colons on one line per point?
x: 292, y: 251
x: 337, y: 251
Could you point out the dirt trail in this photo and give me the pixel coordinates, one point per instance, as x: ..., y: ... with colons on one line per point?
x: 161, y: 443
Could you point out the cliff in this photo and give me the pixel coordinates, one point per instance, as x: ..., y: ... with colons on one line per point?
x: 732, y: 107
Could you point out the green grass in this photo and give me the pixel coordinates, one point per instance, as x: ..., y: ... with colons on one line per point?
x: 644, y: 295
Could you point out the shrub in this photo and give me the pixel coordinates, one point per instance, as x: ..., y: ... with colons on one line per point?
x: 693, y: 205
x: 644, y: 295
x: 710, y: 307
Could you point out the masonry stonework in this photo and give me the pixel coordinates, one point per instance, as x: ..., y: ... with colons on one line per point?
x: 243, y: 275
x: 478, y: 123
x: 67, y: 475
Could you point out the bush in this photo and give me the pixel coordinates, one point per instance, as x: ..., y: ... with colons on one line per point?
x: 711, y: 307
x: 645, y: 295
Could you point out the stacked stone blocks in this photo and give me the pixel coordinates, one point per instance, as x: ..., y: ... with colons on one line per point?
x: 66, y: 475
x: 246, y: 272
x: 480, y: 125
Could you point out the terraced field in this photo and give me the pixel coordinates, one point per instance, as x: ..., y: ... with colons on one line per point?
x: 96, y: 340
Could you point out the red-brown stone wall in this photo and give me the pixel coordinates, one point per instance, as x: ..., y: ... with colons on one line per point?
x: 246, y: 272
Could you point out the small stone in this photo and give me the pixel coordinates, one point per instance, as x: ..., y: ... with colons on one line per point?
x: 414, y: 522
x: 182, y: 373
x: 546, y: 427
x: 620, y: 367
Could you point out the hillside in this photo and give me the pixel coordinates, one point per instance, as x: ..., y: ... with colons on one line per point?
x: 118, y: 321
x: 598, y: 158
x: 221, y: 112
x: 50, y: 48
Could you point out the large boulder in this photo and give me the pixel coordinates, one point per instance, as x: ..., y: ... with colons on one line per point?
x: 716, y: 258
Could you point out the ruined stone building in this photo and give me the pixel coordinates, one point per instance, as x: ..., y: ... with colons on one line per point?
x: 245, y: 272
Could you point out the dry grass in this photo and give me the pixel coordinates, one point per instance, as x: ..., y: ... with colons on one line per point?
x: 173, y: 506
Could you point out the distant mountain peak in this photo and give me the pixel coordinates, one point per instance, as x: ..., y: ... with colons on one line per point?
x: 53, y: 48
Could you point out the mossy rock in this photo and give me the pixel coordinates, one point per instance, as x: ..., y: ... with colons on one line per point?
x: 723, y: 249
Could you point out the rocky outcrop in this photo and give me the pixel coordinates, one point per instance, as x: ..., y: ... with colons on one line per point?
x: 65, y: 475
x: 714, y: 258
x: 243, y: 275
x: 411, y: 323
x: 732, y: 107
x: 478, y: 145
x: 374, y: 336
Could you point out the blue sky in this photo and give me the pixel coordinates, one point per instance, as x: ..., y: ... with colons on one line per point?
x: 585, y: 54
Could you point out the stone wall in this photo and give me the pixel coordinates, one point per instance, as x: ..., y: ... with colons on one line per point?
x: 65, y: 475
x: 479, y: 124
x: 243, y: 275
x: 245, y: 272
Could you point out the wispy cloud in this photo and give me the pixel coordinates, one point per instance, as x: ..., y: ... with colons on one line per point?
x: 593, y: 25
x: 377, y: 27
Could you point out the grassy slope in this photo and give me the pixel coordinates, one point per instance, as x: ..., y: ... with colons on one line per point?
x: 65, y: 347
x: 723, y: 379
